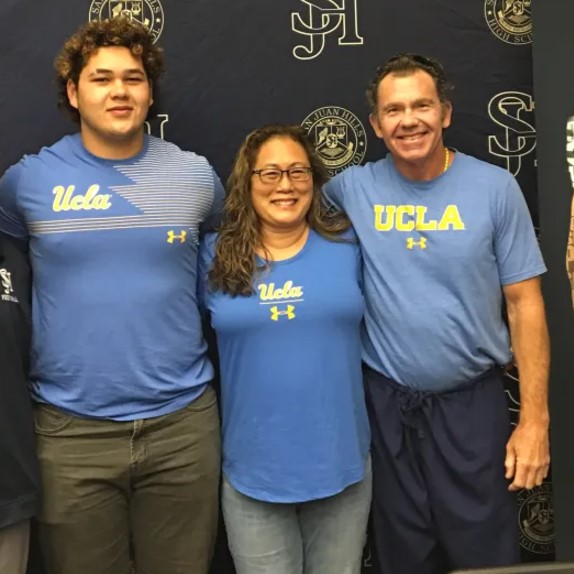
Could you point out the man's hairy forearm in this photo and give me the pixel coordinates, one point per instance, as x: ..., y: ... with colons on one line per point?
x: 531, y: 348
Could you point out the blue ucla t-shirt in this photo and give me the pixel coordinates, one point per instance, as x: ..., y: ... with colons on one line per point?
x: 113, y: 246
x: 436, y: 254
x: 294, y: 420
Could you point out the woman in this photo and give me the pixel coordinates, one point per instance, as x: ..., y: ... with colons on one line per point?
x: 281, y: 282
x: 19, y: 474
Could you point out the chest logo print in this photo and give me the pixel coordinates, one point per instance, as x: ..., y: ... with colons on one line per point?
x: 411, y: 243
x: 67, y: 200
x: 172, y: 236
x: 414, y: 217
x: 289, y: 312
x: 272, y: 293
x: 283, y: 299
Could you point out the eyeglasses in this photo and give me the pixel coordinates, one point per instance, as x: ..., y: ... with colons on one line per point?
x: 272, y: 175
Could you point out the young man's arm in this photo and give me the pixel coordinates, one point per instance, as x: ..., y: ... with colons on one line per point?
x: 527, y: 451
x: 215, y: 216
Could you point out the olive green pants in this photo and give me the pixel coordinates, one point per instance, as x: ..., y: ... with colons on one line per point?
x: 139, y: 495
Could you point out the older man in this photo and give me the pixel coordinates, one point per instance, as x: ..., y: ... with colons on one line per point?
x: 446, y: 240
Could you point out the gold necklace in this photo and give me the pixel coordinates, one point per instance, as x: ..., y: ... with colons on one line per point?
x: 446, y: 158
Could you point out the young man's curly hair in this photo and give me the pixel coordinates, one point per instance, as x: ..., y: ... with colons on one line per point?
x: 235, y: 266
x: 78, y: 49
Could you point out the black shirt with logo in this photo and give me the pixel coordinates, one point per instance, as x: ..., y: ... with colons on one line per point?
x: 19, y: 474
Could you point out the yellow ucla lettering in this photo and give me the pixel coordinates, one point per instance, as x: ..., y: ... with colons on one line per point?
x: 288, y: 291
x: 389, y: 217
x: 423, y: 225
x: 451, y: 218
x: 65, y: 199
x: 389, y: 223
x: 401, y: 211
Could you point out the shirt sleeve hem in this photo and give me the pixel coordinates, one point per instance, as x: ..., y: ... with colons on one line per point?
x: 523, y: 276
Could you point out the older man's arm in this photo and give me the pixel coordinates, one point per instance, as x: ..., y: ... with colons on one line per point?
x: 527, y: 451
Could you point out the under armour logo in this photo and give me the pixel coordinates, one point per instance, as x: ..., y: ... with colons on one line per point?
x: 411, y: 243
x: 171, y: 236
x: 323, y: 18
x: 289, y: 313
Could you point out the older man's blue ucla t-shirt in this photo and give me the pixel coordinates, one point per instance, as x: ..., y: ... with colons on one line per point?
x: 294, y: 420
x: 436, y: 254
x: 113, y: 245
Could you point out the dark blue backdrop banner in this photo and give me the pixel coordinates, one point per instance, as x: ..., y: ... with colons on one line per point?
x: 233, y: 66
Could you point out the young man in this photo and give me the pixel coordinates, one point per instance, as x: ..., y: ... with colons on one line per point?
x: 127, y: 424
x: 445, y: 238
x: 19, y: 473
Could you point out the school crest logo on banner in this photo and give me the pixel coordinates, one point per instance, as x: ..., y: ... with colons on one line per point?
x: 338, y: 135
x: 536, y: 517
x: 146, y: 12
x: 510, y: 20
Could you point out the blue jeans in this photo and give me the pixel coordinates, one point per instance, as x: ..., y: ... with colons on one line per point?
x: 323, y: 536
